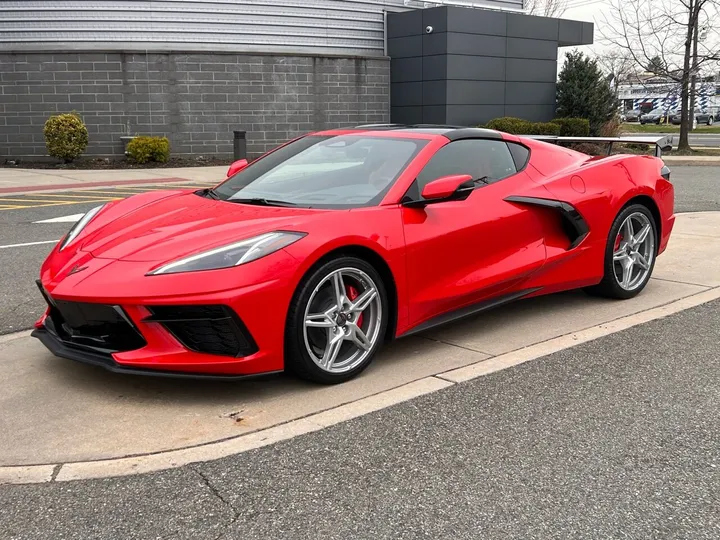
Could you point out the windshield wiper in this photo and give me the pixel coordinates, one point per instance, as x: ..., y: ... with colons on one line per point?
x: 259, y: 201
x: 208, y: 192
x: 483, y: 180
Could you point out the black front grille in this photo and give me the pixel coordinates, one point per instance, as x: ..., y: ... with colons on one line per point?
x: 210, y: 329
x: 99, y: 327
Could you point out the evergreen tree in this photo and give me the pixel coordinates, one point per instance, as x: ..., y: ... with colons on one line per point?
x: 584, y: 92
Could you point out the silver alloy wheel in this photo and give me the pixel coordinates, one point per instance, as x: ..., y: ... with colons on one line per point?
x: 341, y: 329
x: 633, y: 251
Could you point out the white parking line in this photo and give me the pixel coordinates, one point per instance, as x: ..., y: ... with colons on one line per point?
x: 62, y: 219
x: 30, y: 244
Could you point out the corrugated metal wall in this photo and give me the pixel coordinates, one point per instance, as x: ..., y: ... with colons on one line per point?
x: 347, y: 27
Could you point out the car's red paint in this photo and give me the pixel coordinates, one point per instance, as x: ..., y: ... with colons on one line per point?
x: 236, y: 167
x: 444, y: 187
x: 440, y: 257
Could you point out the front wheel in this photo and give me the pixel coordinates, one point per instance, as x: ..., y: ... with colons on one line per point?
x: 710, y: 121
x: 629, y: 255
x: 337, y: 321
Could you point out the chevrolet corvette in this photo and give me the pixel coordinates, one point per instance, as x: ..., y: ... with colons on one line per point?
x: 311, y: 257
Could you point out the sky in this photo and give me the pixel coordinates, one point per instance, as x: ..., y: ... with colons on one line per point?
x: 587, y: 10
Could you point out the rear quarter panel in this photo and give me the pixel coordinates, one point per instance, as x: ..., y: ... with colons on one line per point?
x: 598, y: 188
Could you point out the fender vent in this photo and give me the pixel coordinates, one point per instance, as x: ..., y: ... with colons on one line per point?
x: 573, y: 224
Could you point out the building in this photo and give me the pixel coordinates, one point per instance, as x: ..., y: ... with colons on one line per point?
x: 195, y: 70
x: 657, y: 93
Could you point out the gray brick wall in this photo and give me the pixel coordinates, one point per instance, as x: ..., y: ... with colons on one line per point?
x: 196, y: 100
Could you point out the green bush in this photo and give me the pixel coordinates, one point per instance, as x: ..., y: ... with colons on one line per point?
x: 145, y: 149
x: 66, y: 136
x: 518, y: 126
x: 508, y: 124
x: 573, y: 127
x: 545, y: 128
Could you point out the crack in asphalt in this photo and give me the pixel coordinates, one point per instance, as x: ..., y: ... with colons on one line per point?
x: 216, y: 493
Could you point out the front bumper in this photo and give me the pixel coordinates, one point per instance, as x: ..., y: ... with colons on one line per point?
x: 62, y: 350
x: 183, y: 325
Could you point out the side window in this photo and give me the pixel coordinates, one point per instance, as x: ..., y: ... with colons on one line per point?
x: 477, y: 157
x: 520, y: 155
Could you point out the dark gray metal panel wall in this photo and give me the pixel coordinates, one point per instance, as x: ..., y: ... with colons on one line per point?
x: 197, y: 100
x: 476, y: 64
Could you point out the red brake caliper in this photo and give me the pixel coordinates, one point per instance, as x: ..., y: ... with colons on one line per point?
x: 618, y: 239
x: 352, y: 294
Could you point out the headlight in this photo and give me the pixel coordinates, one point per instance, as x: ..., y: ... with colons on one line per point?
x: 233, y: 254
x: 79, y: 226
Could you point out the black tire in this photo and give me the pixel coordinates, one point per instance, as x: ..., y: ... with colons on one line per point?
x: 297, y: 358
x: 609, y: 287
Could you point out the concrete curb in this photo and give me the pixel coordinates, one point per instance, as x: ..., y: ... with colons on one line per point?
x: 61, y: 472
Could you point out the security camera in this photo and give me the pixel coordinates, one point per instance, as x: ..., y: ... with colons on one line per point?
x: 428, y: 29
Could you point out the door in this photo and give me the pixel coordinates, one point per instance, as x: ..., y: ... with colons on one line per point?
x: 464, y: 252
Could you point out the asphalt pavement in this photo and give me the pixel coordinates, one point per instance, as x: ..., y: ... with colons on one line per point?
x: 697, y: 189
x: 615, y: 438
x: 697, y: 140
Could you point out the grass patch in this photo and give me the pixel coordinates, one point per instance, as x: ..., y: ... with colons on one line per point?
x: 664, y: 128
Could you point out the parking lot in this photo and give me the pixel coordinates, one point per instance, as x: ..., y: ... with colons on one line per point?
x: 611, y: 433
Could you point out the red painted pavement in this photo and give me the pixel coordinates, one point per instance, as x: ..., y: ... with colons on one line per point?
x: 54, y: 187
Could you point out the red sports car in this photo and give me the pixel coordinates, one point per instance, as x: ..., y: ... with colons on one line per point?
x: 313, y: 255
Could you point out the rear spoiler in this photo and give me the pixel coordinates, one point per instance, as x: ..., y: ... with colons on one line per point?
x: 660, y: 143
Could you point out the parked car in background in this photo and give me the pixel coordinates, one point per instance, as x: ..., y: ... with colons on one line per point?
x: 656, y: 116
x: 705, y: 117
x: 702, y: 117
x: 632, y: 115
x: 676, y: 117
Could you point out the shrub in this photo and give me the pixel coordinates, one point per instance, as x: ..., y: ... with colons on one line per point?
x: 144, y: 149
x: 509, y: 124
x: 611, y: 128
x: 66, y: 136
x: 545, y: 128
x: 518, y: 126
x: 573, y: 127
x: 589, y: 148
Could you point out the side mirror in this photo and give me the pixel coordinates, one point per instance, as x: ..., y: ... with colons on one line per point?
x: 445, y: 187
x: 237, y: 166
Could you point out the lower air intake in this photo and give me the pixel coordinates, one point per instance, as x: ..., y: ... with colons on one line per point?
x: 210, y: 329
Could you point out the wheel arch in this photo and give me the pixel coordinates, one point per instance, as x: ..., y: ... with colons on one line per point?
x: 650, y: 204
x: 377, y: 261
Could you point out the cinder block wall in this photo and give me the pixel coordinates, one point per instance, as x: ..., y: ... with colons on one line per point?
x: 196, y: 100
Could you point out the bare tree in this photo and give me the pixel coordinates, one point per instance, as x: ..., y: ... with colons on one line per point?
x: 659, y: 35
x: 546, y: 8
x: 619, y: 65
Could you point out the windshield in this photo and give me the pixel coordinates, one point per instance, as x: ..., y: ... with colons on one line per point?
x: 345, y: 171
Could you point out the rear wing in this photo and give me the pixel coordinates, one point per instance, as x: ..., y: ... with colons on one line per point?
x: 659, y: 142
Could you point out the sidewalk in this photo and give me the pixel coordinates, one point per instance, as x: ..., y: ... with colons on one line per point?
x: 25, y: 180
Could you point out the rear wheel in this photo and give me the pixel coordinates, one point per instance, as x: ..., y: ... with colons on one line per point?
x: 337, y: 321
x: 629, y: 255
x: 710, y: 121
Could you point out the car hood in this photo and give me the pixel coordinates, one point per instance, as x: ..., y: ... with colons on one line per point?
x: 182, y: 224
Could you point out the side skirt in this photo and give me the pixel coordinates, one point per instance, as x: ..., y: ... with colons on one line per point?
x: 467, y: 311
